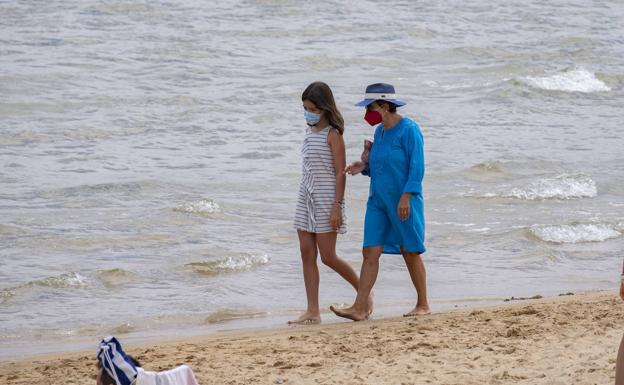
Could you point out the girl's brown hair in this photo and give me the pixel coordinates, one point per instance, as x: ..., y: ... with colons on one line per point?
x: 321, y: 95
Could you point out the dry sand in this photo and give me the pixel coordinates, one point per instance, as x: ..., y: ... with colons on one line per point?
x: 562, y: 340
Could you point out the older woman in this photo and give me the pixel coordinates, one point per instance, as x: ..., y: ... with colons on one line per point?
x: 394, y: 222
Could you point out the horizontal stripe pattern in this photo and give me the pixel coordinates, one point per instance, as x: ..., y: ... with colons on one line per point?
x: 317, y: 190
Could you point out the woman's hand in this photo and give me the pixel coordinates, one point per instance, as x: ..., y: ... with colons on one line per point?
x: 336, y: 216
x: 366, y: 152
x: 403, y: 209
x: 355, y: 168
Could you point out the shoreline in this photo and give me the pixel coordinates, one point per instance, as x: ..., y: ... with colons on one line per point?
x: 563, y: 339
x: 270, y: 320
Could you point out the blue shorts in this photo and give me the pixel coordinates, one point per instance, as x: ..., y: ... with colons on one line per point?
x: 382, y: 226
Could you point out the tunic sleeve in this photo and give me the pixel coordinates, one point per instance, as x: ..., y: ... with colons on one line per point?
x: 368, y: 145
x: 367, y: 149
x: 416, y: 160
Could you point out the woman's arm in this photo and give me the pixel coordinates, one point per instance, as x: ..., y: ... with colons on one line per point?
x: 416, y: 163
x: 361, y: 166
x: 416, y: 159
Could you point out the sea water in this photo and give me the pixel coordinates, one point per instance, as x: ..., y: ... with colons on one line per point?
x: 150, y: 157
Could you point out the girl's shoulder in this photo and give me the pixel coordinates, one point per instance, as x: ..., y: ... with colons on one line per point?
x: 333, y: 135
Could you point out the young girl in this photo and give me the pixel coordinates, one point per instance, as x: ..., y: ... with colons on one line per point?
x: 320, y: 212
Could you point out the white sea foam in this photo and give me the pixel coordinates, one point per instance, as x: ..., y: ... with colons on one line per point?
x: 204, y: 206
x: 575, y: 233
x: 566, y: 186
x: 229, y: 264
x: 575, y: 80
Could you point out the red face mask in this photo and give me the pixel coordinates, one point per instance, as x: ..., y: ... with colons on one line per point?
x: 373, y: 117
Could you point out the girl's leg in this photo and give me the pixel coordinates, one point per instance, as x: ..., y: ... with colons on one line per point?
x: 417, y: 272
x: 370, y: 268
x: 619, y: 365
x: 327, y: 247
x: 307, y: 245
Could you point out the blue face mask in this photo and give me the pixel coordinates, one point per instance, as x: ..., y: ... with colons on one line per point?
x: 311, y: 118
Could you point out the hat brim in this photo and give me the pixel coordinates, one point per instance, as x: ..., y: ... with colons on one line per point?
x: 366, y: 102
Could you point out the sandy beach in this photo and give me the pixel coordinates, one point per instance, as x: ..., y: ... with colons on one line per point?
x: 569, y: 339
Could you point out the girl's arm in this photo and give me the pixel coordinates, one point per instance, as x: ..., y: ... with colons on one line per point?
x: 336, y: 143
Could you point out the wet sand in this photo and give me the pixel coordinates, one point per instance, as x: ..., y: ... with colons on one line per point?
x: 563, y: 340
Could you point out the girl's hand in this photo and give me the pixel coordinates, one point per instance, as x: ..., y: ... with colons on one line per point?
x: 355, y: 168
x: 622, y: 290
x: 336, y: 217
x: 403, y: 209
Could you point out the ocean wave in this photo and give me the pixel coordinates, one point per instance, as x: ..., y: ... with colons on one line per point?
x: 566, y: 186
x: 229, y: 264
x: 123, y: 328
x: 259, y: 155
x: 231, y: 315
x: 204, y: 206
x: 10, y: 230
x: 129, y: 188
x: 6, y: 295
x: 572, y: 80
x: 66, y: 280
x: 63, y: 281
x: 116, y: 277
x: 492, y: 166
x: 575, y: 233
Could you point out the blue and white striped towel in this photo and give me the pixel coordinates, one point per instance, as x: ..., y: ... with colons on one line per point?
x: 116, y: 362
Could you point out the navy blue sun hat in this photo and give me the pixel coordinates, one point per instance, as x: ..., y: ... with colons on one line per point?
x: 380, y: 91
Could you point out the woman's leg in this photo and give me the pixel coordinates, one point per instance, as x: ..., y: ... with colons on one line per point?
x: 307, y: 245
x: 360, y: 310
x: 327, y: 248
x: 417, y: 272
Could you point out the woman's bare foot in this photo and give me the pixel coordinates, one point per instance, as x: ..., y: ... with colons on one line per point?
x: 418, y: 311
x: 351, y: 313
x: 307, y: 318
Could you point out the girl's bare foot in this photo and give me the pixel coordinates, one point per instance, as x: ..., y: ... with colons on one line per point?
x: 418, y: 311
x: 307, y: 318
x: 369, y: 308
x: 351, y: 313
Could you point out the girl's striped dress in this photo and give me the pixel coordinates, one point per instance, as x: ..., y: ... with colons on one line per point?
x: 317, y: 190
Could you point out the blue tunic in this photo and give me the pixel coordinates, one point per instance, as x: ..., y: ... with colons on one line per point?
x: 396, y: 166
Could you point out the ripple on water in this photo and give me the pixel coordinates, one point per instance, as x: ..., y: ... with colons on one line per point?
x: 229, y: 265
